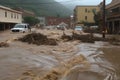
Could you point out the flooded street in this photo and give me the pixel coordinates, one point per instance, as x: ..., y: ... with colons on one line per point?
x: 59, y: 39
x: 99, y: 68
x: 112, y: 54
x: 72, y: 60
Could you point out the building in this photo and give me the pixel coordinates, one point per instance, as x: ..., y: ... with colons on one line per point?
x: 54, y: 21
x: 85, y: 14
x: 113, y: 17
x: 42, y: 21
x: 9, y: 17
x: 25, y: 13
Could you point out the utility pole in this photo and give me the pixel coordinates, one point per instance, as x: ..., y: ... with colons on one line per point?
x: 104, y: 21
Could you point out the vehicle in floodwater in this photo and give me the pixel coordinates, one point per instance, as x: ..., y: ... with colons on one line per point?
x: 21, y: 28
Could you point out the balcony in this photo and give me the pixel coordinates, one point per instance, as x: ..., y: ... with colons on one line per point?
x: 113, y: 13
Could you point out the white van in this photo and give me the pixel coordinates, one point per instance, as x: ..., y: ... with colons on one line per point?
x: 22, y: 27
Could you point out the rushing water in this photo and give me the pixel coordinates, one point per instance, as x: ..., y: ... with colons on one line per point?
x: 95, y: 66
x: 99, y: 69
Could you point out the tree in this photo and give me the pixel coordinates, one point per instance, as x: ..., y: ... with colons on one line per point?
x: 97, y: 16
x: 31, y: 20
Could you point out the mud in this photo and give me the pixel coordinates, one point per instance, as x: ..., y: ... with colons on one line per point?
x: 4, y: 44
x: 88, y: 38
x: 38, y: 39
x: 112, y: 54
x: 88, y: 61
x: 99, y: 67
x: 71, y: 60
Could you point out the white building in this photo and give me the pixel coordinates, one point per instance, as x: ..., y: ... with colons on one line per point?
x: 9, y: 17
x: 42, y: 21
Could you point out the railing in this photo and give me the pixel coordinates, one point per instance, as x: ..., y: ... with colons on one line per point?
x: 112, y: 14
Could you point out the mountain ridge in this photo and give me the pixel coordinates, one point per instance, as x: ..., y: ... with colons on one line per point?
x: 40, y: 7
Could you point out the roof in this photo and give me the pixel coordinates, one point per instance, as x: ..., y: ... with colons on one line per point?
x: 29, y: 12
x: 87, y: 6
x: 22, y: 24
x: 62, y: 24
x: 9, y: 9
x: 113, y: 3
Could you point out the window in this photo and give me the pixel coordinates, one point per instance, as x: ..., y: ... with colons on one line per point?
x: 5, y: 14
x: 14, y: 15
x: 11, y: 15
x: 94, y: 10
x: 25, y: 26
x: 85, y: 17
x: 86, y: 10
x: 17, y: 16
x: 41, y: 20
x: 116, y: 10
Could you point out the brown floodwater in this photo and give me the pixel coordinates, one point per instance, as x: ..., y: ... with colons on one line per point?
x: 112, y: 54
x: 104, y: 65
x: 98, y: 61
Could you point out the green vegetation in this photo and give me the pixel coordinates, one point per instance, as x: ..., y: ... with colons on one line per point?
x: 97, y: 16
x: 40, y: 7
x: 31, y: 20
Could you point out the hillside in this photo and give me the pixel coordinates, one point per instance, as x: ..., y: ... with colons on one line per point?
x: 40, y: 7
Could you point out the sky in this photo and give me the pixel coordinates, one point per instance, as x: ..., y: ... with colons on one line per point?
x: 83, y: 2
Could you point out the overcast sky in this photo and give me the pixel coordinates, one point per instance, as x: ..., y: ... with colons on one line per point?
x: 83, y: 2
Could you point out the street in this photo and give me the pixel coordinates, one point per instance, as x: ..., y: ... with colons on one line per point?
x: 65, y: 61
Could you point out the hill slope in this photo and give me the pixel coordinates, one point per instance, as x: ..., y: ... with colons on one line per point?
x: 40, y: 7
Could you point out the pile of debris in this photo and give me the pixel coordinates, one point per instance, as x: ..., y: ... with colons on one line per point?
x: 84, y: 38
x: 114, y: 41
x: 38, y: 38
x: 4, y: 44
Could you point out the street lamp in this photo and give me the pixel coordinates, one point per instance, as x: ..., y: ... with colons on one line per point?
x: 104, y: 21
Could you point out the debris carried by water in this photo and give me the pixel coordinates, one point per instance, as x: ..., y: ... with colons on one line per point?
x: 4, y: 44
x: 52, y: 75
x: 84, y: 38
x: 114, y: 41
x: 38, y: 38
x: 28, y: 73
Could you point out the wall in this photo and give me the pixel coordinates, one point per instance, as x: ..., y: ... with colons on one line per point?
x: 85, y: 11
x: 53, y: 21
x: 12, y: 17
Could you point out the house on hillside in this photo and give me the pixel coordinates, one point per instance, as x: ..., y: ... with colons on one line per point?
x: 42, y: 22
x: 84, y: 15
x: 113, y: 17
x: 62, y: 26
x: 9, y: 17
x: 54, y: 21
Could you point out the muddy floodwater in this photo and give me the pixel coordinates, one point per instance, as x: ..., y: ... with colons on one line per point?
x: 66, y: 61
x: 28, y: 62
x: 100, y: 68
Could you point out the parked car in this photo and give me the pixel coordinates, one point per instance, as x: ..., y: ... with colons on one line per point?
x: 22, y: 27
x: 78, y: 28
